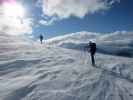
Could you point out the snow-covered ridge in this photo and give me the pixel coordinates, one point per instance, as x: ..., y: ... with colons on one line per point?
x: 117, y: 43
x: 73, y: 37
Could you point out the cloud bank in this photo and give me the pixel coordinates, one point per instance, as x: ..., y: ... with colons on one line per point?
x: 77, y: 8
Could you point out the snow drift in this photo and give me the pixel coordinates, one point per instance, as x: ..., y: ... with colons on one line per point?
x: 30, y: 71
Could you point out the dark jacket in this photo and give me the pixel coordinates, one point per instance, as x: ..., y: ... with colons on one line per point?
x: 92, y: 47
x: 41, y: 37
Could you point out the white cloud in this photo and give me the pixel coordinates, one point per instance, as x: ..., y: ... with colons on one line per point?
x: 77, y: 8
x: 47, y: 22
x: 44, y: 22
x: 14, y: 25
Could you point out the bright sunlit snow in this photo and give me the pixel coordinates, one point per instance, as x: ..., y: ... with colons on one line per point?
x: 30, y: 71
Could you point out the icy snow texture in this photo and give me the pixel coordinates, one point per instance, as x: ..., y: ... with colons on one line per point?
x: 30, y: 71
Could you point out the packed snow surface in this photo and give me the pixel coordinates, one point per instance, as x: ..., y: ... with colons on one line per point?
x: 30, y: 71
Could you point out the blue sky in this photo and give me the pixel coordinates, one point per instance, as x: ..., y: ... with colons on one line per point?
x: 53, y: 18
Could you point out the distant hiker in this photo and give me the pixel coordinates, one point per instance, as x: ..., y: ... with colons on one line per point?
x: 41, y: 38
x: 92, y: 50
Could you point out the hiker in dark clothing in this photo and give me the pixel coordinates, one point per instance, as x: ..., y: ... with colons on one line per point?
x: 41, y: 38
x: 92, y: 50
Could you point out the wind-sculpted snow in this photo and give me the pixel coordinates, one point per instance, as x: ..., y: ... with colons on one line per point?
x: 30, y: 71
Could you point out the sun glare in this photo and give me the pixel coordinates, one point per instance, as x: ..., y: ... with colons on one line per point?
x: 14, y: 10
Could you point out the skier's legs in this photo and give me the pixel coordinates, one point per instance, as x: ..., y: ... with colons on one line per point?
x: 41, y: 41
x: 92, y: 59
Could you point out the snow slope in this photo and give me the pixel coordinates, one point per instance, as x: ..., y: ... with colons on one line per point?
x: 30, y: 71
